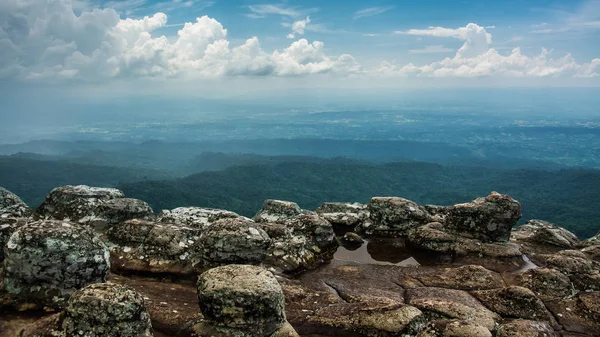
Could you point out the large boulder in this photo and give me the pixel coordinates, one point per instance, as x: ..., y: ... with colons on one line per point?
x: 194, y: 217
x: 488, y: 219
x: 95, y: 206
x: 11, y: 206
x: 514, y: 302
x: 240, y: 300
x: 545, y: 283
x: 277, y: 211
x: 150, y: 247
x: 344, y: 214
x: 393, y: 216
x: 231, y: 241
x: 544, y: 233
x: 98, y: 310
x: 45, y: 261
x: 300, y: 243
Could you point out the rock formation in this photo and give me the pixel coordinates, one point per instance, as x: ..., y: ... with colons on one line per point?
x: 11, y: 206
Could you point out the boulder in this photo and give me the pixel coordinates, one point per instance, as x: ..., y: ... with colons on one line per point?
x: 277, y: 211
x: 544, y: 233
x: 393, y: 216
x: 514, y: 302
x: 145, y: 246
x: 586, y: 282
x: 352, y: 240
x: 469, y: 277
x: 456, y: 304
x: 194, y: 217
x: 240, y: 300
x: 231, y: 241
x: 580, y: 313
x: 526, y: 328
x: 7, y: 227
x: 344, y: 214
x: 98, y: 310
x: 46, y: 260
x: 454, y: 328
x: 94, y: 206
x: 592, y: 252
x: 568, y: 262
x: 300, y: 243
x: 11, y: 206
x: 488, y: 219
x: 545, y: 283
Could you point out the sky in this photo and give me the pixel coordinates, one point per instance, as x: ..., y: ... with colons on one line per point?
x: 226, y: 48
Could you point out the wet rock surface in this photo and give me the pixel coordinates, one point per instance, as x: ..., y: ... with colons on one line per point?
x: 46, y: 260
x: 11, y: 206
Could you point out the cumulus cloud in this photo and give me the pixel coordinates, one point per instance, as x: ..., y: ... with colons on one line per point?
x: 43, y: 39
x: 476, y: 58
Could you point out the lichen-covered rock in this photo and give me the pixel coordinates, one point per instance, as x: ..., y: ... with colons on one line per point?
x: 580, y: 313
x: 393, y: 216
x: 344, y: 214
x: 488, y: 219
x: 194, y: 217
x: 526, y: 328
x: 7, y: 227
x: 568, y: 262
x: 452, y: 303
x: 469, y: 277
x: 231, y: 241
x: 592, y: 252
x: 514, y: 302
x: 11, y: 206
x: 454, y: 328
x: 109, y: 310
x: 352, y: 239
x: 46, y: 260
x: 94, y: 206
x: 145, y: 246
x: 277, y: 211
x: 300, y: 243
x: 241, y: 300
x: 586, y: 282
x: 545, y: 233
x: 545, y: 283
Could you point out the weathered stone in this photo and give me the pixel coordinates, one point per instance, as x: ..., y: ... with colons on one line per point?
x: 230, y: 241
x: 194, y: 217
x: 11, y: 206
x: 393, y: 216
x: 46, y: 260
x: 115, y: 211
x: 585, y: 282
x: 452, y: 303
x: 438, y: 213
x: 592, y: 252
x: 7, y: 227
x: 545, y: 283
x: 580, y: 313
x: 105, y: 309
x: 300, y: 243
x: 488, y: 219
x: 344, y: 214
x: 470, y: 277
x: 544, y: 233
x: 526, y: 328
x: 76, y: 203
x: 454, y: 328
x: 277, y: 211
x: 515, y: 302
x: 568, y: 262
x: 243, y: 300
x: 144, y: 246
x: 352, y: 239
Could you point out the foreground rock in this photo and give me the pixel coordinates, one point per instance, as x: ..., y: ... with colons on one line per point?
x: 241, y: 300
x: 100, y: 309
x: 7, y: 227
x: 277, y: 211
x: 488, y: 219
x: 46, y: 260
x: 347, y: 215
x: 194, y: 217
x: 11, y: 206
x: 94, y: 206
x: 538, y: 235
x: 393, y: 216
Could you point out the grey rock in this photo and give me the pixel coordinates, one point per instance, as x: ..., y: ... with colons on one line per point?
x: 393, y: 216
x: 488, y: 219
x: 242, y: 300
x: 114, y: 211
x: 7, y: 227
x: 11, y: 206
x: 277, y: 211
x: 229, y: 241
x: 344, y: 214
x: 544, y: 233
x: 105, y: 309
x: 195, y: 217
x: 46, y: 260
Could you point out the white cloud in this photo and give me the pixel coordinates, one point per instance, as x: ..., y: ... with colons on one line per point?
x: 371, y: 11
x: 261, y: 11
x: 300, y: 25
x: 477, y: 59
x: 431, y: 50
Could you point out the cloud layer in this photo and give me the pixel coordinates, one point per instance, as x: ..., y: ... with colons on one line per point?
x: 48, y: 40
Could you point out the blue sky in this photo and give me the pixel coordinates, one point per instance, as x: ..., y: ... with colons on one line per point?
x: 218, y: 45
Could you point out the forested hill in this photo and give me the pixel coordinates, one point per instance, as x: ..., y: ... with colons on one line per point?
x: 566, y: 197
